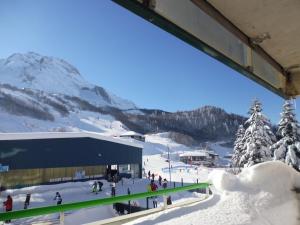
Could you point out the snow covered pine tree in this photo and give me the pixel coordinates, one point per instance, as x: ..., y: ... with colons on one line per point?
x: 258, y: 138
x: 287, y: 149
x: 238, y: 149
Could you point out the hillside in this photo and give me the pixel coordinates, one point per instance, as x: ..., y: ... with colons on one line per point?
x: 34, y: 98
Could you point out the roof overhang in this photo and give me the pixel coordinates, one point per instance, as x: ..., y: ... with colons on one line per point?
x: 62, y: 135
x: 258, y: 38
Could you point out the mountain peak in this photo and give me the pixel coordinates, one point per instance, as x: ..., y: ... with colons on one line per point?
x: 56, y: 76
x: 33, y: 59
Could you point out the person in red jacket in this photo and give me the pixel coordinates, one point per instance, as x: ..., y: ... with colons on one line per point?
x: 154, y: 198
x: 153, y: 186
x: 8, y: 204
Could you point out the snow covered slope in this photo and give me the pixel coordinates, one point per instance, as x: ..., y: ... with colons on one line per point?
x: 34, y: 98
x: 37, y: 72
x: 159, y: 143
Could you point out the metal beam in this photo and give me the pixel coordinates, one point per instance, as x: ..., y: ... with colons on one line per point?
x: 220, y: 18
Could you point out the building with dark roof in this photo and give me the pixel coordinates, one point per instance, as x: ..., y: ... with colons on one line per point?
x: 39, y: 158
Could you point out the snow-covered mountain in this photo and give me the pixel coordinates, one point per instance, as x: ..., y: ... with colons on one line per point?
x: 41, y: 93
x: 56, y: 76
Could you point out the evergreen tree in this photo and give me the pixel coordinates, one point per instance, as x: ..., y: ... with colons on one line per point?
x: 258, y: 138
x: 288, y: 119
x: 287, y: 149
x: 238, y: 147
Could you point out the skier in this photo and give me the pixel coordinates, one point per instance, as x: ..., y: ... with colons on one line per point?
x: 149, y: 187
x: 113, y: 189
x: 165, y: 183
x: 154, y: 198
x: 159, y: 180
x: 149, y: 174
x: 8, y: 204
x: 153, y: 177
x: 149, y: 190
x: 115, y: 178
x: 129, y: 206
x: 27, y: 201
x: 169, y: 201
x: 94, y: 187
x: 58, y: 198
x: 153, y: 186
x: 100, y: 184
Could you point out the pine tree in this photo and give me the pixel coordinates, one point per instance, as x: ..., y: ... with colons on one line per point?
x: 288, y: 118
x: 258, y: 137
x: 238, y: 147
x: 287, y: 149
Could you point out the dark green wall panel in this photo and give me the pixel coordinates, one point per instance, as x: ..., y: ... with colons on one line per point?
x: 65, y: 152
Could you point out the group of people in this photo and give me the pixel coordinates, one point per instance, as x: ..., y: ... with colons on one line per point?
x: 97, y: 186
x: 152, y: 187
x: 8, y: 204
x: 161, y: 182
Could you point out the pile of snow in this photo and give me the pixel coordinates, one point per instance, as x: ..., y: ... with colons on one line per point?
x: 260, y: 195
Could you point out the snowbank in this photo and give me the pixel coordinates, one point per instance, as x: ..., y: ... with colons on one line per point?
x: 260, y: 195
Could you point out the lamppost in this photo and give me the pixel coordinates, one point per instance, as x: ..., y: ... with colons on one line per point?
x: 169, y: 164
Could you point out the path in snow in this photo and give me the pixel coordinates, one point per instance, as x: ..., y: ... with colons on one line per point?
x: 170, y: 214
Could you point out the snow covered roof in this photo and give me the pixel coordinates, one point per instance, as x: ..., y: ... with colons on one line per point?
x: 51, y: 135
x: 194, y: 153
x: 131, y: 133
x: 212, y: 153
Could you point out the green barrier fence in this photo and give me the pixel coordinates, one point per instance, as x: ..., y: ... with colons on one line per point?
x: 97, y: 202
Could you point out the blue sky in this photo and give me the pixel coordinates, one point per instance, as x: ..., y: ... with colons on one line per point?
x: 130, y: 57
